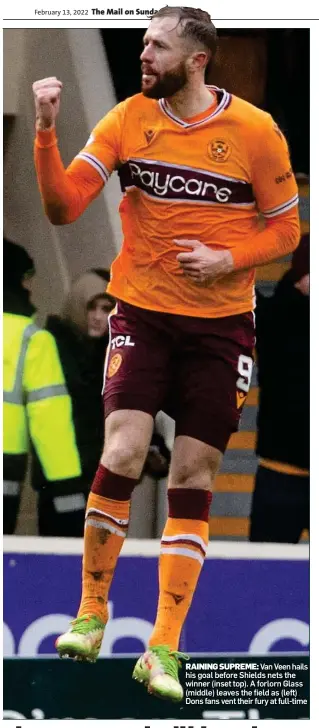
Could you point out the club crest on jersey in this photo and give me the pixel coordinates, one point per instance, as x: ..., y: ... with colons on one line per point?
x: 114, y: 365
x: 219, y: 150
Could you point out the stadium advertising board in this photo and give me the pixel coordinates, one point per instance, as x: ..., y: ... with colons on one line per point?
x: 247, y: 634
x: 244, y: 603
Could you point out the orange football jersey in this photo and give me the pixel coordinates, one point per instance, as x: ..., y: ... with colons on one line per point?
x: 205, y: 178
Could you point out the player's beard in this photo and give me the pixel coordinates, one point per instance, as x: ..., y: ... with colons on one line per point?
x: 168, y: 84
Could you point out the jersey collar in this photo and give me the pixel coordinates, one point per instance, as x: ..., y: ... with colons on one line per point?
x: 223, y: 98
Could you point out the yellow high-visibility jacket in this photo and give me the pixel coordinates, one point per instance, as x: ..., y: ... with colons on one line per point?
x: 36, y: 404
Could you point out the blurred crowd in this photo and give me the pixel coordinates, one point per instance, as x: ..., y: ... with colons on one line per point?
x: 53, y: 411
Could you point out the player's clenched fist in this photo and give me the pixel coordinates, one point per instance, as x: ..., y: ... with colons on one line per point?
x: 47, y: 94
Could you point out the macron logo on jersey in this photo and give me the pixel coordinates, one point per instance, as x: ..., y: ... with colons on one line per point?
x: 174, y: 182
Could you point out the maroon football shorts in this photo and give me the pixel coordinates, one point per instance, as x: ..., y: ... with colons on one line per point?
x: 197, y: 370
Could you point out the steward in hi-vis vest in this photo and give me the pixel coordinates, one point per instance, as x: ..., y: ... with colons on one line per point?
x: 36, y: 402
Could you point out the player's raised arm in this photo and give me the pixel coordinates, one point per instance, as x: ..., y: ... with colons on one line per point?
x: 66, y: 193
x: 47, y: 94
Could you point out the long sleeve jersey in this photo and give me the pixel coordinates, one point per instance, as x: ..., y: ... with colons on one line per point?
x: 207, y: 178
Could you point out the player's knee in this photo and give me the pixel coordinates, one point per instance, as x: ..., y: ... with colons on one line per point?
x: 186, y: 477
x: 124, y: 458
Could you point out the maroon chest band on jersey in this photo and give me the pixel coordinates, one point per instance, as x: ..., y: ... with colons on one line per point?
x: 177, y: 182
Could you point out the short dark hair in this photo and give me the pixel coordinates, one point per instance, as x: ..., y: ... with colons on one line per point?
x: 196, y: 24
x: 17, y: 263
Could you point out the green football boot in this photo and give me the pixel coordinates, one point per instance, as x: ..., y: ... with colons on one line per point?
x: 83, y: 640
x: 158, y: 670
